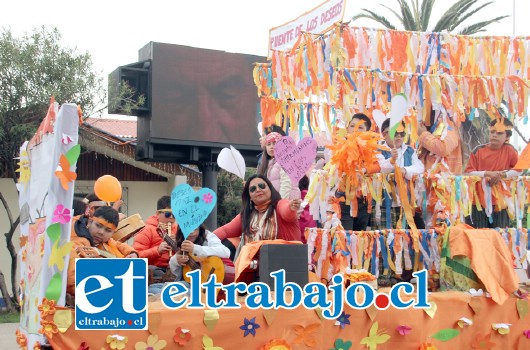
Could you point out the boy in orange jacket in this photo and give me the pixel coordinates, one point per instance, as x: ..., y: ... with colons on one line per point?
x: 96, y: 231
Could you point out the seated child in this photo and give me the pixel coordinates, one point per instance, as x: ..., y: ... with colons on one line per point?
x: 149, y: 242
x: 96, y: 231
x: 201, y: 243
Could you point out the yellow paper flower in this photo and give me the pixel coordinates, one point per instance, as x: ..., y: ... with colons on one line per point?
x: 116, y: 341
x: 22, y: 341
x: 152, y: 343
x: 502, y: 328
x: 48, y: 328
x: 47, y: 307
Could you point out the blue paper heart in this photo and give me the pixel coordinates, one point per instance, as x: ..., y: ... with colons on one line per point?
x: 191, y: 208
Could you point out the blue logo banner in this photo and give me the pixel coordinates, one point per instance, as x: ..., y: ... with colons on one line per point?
x: 111, y: 294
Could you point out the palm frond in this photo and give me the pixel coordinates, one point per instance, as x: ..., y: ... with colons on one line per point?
x: 457, y: 6
x: 408, y: 17
x: 375, y: 17
x: 457, y: 20
x: 451, y: 14
x: 426, y: 10
x: 395, y: 13
x: 466, y: 14
x: 480, y: 26
x: 416, y: 12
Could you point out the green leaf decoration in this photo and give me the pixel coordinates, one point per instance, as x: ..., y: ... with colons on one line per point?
x: 522, y: 308
x: 446, y: 334
x: 73, y: 154
x: 54, y: 231
x: 53, y: 292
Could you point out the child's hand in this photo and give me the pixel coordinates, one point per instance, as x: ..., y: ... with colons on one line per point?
x: 394, y: 154
x: 187, y: 246
x: 133, y: 255
x: 182, y: 259
x: 163, y: 247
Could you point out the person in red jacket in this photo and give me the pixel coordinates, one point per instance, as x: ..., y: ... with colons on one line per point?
x: 264, y: 215
x: 149, y: 242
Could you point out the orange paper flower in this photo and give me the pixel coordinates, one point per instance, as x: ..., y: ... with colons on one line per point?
x: 22, y: 341
x: 48, y: 328
x: 483, y: 342
x: 276, y: 344
x: 427, y: 346
x: 36, y: 346
x: 64, y: 174
x: 47, y: 307
x: 306, y: 335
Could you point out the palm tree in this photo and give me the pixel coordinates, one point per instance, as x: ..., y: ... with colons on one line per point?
x: 414, y: 17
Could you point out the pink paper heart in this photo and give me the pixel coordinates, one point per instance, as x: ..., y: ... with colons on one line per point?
x: 295, y: 159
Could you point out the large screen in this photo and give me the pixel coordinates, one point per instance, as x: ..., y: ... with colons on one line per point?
x: 202, y: 96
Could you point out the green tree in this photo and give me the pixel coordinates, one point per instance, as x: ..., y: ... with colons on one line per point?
x: 414, y: 16
x: 33, y: 68
x: 229, y: 188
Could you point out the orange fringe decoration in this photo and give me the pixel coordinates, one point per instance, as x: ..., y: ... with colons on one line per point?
x: 358, y: 151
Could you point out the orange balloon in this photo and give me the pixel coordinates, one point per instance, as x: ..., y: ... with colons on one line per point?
x: 108, y: 188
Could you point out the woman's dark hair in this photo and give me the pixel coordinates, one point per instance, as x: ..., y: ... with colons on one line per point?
x: 364, y: 118
x: 247, y: 206
x: 79, y: 206
x: 201, y: 238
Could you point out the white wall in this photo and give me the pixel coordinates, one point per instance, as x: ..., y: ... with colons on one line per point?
x: 142, y: 197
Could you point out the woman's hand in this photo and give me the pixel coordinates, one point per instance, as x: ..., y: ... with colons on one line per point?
x: 133, y: 255
x: 422, y: 128
x: 295, y: 204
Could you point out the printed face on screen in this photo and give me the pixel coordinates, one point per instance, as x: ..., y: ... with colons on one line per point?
x: 203, y: 95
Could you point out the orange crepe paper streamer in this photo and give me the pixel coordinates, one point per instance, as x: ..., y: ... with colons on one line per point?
x: 402, y: 188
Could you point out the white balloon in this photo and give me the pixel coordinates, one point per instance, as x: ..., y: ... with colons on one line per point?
x: 232, y: 161
x: 398, y: 110
x: 379, y: 118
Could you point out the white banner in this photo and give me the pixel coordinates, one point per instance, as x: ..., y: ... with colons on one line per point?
x: 316, y: 21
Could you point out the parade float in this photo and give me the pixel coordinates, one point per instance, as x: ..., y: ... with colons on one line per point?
x: 312, y: 89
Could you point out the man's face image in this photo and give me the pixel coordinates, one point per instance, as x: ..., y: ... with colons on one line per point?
x: 203, y: 95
